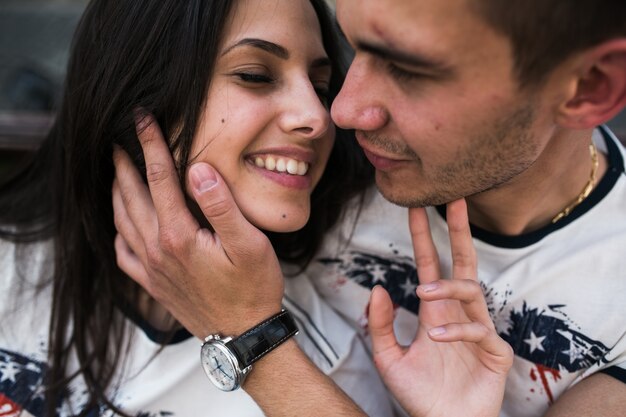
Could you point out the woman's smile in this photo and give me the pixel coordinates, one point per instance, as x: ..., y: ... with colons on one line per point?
x: 266, y: 127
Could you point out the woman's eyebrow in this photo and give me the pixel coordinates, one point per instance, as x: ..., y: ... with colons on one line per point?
x: 264, y: 45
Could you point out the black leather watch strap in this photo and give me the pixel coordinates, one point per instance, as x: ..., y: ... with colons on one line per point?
x: 263, y: 338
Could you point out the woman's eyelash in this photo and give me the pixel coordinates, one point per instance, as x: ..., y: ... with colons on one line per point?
x: 254, y: 78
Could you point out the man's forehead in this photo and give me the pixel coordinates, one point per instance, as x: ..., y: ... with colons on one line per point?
x: 443, y: 36
x: 406, y: 10
x: 403, y: 18
x: 438, y: 26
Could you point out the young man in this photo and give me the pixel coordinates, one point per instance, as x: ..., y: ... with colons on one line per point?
x: 495, y: 102
x: 498, y: 101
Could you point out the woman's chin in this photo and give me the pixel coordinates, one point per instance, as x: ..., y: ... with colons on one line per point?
x: 280, y: 222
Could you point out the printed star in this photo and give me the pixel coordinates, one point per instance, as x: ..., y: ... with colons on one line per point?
x: 9, y: 372
x: 37, y: 390
x: 535, y: 342
x: 575, y: 353
x: 409, y: 288
x: 378, y: 274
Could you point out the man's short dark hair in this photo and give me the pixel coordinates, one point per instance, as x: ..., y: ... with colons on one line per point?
x: 544, y: 33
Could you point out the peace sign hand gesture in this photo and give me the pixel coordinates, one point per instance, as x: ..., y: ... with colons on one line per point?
x: 457, y: 364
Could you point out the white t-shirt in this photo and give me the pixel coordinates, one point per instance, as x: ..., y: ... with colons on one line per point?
x: 557, y: 295
x: 170, y: 382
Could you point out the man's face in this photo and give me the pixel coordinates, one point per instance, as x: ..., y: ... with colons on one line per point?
x: 434, y: 101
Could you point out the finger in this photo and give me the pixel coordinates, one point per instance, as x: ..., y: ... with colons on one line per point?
x: 128, y: 262
x: 236, y: 235
x: 135, y: 196
x: 380, y: 323
x: 426, y: 257
x: 163, y: 181
x: 487, y: 339
x: 462, y: 247
x: 467, y: 291
x: 123, y: 223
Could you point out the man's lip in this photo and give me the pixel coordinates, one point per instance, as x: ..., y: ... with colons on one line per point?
x: 379, y: 160
x: 382, y: 163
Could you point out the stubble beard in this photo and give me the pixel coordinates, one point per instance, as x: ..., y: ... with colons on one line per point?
x: 492, y: 158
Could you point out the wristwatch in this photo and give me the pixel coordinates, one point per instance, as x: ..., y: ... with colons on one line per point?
x: 227, y: 360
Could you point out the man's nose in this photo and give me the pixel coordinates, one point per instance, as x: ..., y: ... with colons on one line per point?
x: 360, y: 105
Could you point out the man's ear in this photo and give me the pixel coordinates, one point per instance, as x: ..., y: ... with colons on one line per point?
x: 599, y: 87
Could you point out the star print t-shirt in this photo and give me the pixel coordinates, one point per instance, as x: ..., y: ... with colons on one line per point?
x: 156, y: 381
x: 557, y: 295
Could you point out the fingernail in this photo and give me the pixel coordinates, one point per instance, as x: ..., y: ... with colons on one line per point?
x: 202, y: 177
x: 437, y: 331
x: 429, y: 287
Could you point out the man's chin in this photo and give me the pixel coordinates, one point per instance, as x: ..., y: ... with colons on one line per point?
x: 405, y: 198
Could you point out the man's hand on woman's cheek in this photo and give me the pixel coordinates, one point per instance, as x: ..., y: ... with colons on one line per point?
x: 212, y: 282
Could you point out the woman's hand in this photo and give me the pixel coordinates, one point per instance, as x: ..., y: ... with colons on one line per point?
x: 212, y: 282
x: 457, y: 365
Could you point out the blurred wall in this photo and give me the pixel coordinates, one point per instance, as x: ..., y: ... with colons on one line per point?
x: 34, y: 45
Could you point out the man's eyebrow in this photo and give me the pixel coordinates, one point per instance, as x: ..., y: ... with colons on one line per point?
x: 266, y: 46
x: 402, y: 57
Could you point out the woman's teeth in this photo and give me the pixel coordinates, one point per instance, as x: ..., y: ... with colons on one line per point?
x: 290, y: 166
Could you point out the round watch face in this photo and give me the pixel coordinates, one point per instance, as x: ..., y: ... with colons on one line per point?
x: 219, y: 366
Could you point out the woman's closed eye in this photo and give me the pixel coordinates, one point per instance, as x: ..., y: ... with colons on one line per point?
x: 253, y: 78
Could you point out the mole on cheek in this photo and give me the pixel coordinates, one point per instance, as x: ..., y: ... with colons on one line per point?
x: 223, y: 120
x: 284, y: 216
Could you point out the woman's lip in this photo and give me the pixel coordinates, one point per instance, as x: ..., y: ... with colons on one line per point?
x: 298, y: 182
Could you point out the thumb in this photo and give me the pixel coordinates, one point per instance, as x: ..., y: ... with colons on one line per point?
x: 381, y: 323
x: 218, y: 206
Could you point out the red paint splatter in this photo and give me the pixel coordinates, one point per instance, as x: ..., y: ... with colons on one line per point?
x: 8, y: 407
x: 543, y: 371
x: 339, y: 282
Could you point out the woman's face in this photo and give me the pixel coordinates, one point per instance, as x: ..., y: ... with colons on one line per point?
x: 266, y: 127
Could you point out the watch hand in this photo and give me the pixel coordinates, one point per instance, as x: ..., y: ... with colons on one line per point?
x: 225, y: 374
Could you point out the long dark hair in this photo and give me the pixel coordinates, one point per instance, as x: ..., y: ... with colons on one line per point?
x: 157, y: 55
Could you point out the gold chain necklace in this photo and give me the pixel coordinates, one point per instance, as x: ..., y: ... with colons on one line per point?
x: 588, y: 187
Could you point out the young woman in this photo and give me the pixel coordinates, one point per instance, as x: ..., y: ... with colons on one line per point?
x: 244, y: 85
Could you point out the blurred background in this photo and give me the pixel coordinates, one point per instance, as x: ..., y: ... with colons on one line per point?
x: 35, y: 37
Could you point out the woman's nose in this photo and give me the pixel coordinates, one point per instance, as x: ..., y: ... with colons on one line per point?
x: 305, y: 113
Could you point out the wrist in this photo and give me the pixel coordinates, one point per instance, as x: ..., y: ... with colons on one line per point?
x: 247, y: 319
x: 227, y: 360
